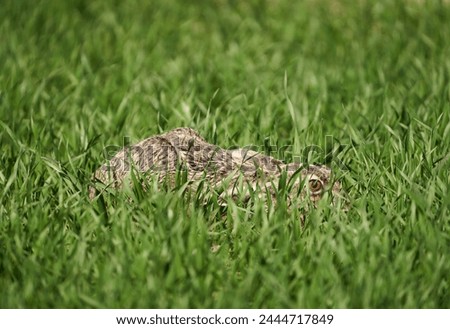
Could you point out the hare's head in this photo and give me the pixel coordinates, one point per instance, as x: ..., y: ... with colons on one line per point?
x: 316, y: 181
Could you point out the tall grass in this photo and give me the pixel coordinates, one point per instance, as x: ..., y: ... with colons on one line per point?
x: 362, y: 86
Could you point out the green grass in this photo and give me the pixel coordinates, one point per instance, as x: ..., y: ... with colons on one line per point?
x: 370, y: 80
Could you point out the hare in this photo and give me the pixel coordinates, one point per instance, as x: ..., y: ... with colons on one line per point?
x: 237, y: 173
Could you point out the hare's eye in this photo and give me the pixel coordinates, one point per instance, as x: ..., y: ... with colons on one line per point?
x: 315, y: 186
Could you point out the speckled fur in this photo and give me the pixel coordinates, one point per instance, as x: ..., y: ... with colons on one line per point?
x: 232, y: 172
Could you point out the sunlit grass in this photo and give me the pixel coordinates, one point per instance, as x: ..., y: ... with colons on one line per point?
x: 361, y: 86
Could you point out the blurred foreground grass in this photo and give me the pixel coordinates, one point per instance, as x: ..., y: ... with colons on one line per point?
x: 372, y: 77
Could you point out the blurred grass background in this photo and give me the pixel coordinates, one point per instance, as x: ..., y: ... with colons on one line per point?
x: 78, y: 76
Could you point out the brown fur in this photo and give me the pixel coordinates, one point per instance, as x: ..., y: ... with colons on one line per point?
x: 232, y: 172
